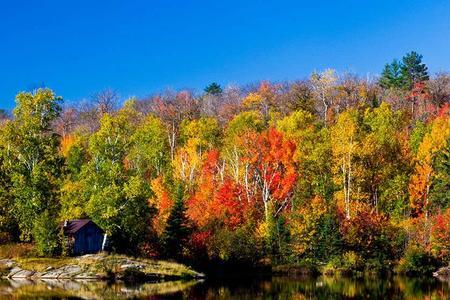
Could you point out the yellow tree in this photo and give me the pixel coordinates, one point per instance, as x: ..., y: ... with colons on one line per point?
x: 344, y: 141
x: 198, y: 136
x: 312, y: 154
x: 162, y: 202
x: 380, y: 156
x: 305, y: 222
x: 421, y: 181
x: 263, y: 100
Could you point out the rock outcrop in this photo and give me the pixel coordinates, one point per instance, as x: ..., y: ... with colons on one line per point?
x: 97, y: 267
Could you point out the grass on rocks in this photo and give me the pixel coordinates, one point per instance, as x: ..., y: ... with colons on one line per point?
x: 102, y: 265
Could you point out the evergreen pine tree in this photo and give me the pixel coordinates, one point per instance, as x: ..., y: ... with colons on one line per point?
x: 277, y: 236
x: 413, y: 70
x: 177, y: 229
x: 213, y: 89
x: 328, y: 242
x: 391, y: 75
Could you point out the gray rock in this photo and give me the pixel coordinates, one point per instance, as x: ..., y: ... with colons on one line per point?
x: 22, y: 274
x: 14, y: 271
x: 52, y: 274
x: 131, y: 266
x: 70, y: 271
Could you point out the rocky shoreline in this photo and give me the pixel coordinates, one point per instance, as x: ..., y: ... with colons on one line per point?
x: 96, y: 267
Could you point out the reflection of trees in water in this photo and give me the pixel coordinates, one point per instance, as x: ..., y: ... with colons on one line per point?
x: 415, y: 288
x: 85, y: 289
x: 324, y: 287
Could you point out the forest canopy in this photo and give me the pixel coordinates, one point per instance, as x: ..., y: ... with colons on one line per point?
x: 327, y: 169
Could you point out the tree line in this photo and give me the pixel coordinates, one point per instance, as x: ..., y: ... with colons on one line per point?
x: 331, y: 169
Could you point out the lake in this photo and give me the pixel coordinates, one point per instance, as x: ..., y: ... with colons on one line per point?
x: 242, y: 288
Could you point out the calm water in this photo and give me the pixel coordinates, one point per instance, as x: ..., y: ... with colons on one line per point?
x: 275, y: 288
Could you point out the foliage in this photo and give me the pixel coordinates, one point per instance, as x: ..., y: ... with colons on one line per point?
x: 17, y: 250
x: 315, y: 231
x: 46, y: 235
x: 239, y: 246
x: 417, y: 261
x: 349, y: 262
x: 333, y: 169
x: 32, y: 159
x: 440, y: 236
x: 177, y: 228
x: 371, y: 235
x: 413, y: 70
x: 149, y: 148
x: 391, y: 75
x: 404, y: 74
x: 213, y: 89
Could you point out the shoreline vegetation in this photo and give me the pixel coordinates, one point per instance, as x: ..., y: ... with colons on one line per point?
x: 96, y: 267
x: 20, y: 265
x: 334, y: 173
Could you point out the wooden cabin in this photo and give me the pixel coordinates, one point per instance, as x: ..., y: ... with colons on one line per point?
x: 83, y: 236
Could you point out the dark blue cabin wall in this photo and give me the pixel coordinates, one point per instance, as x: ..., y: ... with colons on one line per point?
x: 88, y: 239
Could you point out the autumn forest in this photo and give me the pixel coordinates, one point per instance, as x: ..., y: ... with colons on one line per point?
x: 335, y: 171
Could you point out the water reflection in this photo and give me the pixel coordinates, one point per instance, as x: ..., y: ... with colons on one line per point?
x: 68, y: 289
x: 274, y: 288
x: 326, y: 288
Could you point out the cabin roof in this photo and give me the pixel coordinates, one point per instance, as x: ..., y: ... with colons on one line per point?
x: 73, y: 226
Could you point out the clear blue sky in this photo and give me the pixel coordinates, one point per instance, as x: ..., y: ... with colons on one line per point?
x: 141, y: 47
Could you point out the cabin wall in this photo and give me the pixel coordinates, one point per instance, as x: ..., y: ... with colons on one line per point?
x: 88, y: 239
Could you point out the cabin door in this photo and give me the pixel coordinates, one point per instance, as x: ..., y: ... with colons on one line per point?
x: 90, y: 240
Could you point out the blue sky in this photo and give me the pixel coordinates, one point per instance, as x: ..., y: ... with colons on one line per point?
x: 139, y: 47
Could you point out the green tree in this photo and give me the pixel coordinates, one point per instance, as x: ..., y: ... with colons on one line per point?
x: 413, y: 70
x: 391, y: 77
x: 75, y: 159
x: 205, y: 130
x: 177, y: 228
x: 74, y: 150
x: 328, y: 241
x: 46, y: 234
x: 111, y: 192
x: 33, y: 161
x: 8, y: 223
x: 148, y: 154
x: 213, y: 89
x: 404, y: 74
x: 381, y: 161
x: 277, y: 238
x: 244, y: 122
x: 135, y: 213
x: 312, y: 154
x: 420, y: 129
